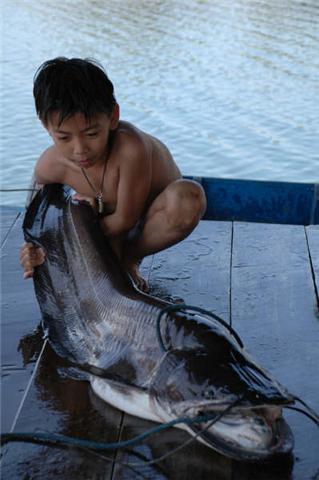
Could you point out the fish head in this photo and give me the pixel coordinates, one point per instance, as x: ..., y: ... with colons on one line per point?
x: 243, y: 399
x: 205, y: 363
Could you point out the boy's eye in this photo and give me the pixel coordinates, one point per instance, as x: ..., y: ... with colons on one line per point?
x: 92, y: 134
x: 63, y: 138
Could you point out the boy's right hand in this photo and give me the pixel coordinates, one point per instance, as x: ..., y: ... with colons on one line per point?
x: 30, y: 257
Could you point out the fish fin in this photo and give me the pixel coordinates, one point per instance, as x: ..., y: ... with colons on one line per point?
x: 73, y: 373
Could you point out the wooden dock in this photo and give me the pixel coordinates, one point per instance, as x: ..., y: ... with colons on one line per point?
x: 262, y: 278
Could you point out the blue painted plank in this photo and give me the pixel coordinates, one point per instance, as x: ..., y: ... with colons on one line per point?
x: 274, y: 310
x: 261, y: 201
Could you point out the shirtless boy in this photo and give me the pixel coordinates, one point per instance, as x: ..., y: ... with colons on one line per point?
x: 130, y: 176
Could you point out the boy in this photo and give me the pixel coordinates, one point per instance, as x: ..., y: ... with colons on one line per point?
x: 127, y: 176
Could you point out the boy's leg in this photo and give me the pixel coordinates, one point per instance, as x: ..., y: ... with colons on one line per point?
x: 172, y: 216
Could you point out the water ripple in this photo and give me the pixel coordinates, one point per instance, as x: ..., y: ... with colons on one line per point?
x: 229, y: 86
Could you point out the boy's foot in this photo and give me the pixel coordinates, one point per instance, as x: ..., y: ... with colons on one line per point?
x: 133, y: 270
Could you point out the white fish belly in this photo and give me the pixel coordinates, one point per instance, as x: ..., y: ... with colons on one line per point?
x: 131, y: 400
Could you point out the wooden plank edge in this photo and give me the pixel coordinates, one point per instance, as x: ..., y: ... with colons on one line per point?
x: 315, y: 277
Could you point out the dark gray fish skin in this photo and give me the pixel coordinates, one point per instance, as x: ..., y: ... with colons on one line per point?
x: 97, y: 319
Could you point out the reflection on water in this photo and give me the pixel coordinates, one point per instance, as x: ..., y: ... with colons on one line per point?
x: 230, y: 86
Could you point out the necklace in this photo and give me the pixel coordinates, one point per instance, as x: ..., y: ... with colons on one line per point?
x: 98, y: 193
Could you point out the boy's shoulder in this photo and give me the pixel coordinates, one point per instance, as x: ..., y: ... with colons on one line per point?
x: 130, y: 141
x: 50, y: 167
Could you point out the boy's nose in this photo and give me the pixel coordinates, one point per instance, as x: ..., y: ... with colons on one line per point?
x: 79, y: 147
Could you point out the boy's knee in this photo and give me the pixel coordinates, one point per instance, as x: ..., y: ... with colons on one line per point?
x: 186, y: 204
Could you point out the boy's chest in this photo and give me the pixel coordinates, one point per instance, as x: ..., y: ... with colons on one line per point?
x: 90, y: 185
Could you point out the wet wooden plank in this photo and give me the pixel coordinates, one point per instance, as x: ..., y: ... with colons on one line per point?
x: 274, y: 310
x: 20, y: 315
x: 263, y: 308
x: 313, y: 243
x: 56, y: 403
x: 196, y: 271
x: 194, y: 461
x: 8, y: 217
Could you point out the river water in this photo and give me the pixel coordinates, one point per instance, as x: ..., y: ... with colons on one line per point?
x: 231, y: 86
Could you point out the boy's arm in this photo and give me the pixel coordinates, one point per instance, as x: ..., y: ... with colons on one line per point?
x: 133, y: 191
x: 48, y: 168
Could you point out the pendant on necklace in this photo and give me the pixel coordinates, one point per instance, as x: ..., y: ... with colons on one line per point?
x: 100, y: 206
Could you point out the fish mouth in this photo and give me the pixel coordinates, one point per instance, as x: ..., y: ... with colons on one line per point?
x: 246, y: 435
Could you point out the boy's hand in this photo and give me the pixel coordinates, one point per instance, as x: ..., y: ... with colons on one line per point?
x: 83, y: 198
x: 30, y: 257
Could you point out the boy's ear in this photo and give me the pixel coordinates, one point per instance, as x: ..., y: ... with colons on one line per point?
x: 115, y: 117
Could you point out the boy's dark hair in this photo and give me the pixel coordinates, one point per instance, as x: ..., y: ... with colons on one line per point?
x: 69, y: 86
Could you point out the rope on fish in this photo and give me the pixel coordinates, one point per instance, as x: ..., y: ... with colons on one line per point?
x: 19, y: 189
x: 57, y: 439
x: 309, y: 412
x: 62, y: 440
x: 35, y: 370
x: 174, y: 450
x: 314, y: 419
x: 183, y: 306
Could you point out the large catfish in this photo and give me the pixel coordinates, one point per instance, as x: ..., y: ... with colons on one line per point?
x: 184, y: 365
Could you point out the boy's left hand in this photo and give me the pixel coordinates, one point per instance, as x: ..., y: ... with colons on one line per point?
x: 30, y: 257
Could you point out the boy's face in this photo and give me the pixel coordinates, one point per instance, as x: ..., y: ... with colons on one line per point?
x: 83, y: 142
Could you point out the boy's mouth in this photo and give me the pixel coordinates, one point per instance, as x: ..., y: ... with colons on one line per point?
x: 84, y: 163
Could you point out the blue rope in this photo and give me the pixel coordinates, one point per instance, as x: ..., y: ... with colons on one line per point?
x: 40, y: 437
x: 183, y: 306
